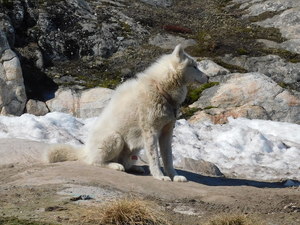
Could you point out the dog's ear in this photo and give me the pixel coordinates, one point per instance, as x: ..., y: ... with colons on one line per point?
x: 178, y: 52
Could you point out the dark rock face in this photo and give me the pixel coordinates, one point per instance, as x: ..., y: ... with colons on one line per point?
x: 47, y: 35
x: 72, y: 29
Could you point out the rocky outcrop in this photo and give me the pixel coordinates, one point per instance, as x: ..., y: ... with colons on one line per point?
x: 12, y: 90
x: 84, y: 104
x: 288, y: 24
x: 271, y: 65
x: 201, y: 167
x: 73, y: 29
x: 167, y: 41
x: 36, y: 108
x: 250, y: 95
x: 212, y: 69
x: 255, y: 8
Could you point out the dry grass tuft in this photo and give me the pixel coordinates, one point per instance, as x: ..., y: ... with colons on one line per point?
x: 125, y: 212
x: 233, y: 220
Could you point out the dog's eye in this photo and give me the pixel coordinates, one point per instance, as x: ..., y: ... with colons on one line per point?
x: 195, y: 67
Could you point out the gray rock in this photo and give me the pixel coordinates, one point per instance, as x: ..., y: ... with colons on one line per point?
x: 211, y: 68
x: 200, y: 166
x: 271, y: 65
x: 36, y: 108
x: 287, y: 22
x: 84, y: 104
x: 257, y: 7
x: 7, y: 28
x: 250, y: 93
x: 4, y: 45
x: 12, y: 90
x: 292, y: 45
x: 167, y: 41
x: 80, y: 30
x: 161, y: 3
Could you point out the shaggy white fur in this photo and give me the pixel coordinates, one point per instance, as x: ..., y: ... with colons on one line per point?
x: 141, y: 115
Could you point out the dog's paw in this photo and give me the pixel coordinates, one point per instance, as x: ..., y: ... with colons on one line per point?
x: 179, y: 178
x: 163, y: 178
x: 116, y: 166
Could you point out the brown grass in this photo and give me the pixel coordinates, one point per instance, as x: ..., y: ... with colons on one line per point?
x: 125, y: 212
x: 227, y: 219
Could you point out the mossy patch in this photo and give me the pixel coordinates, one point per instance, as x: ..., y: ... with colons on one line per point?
x: 285, y: 54
x: 126, y: 29
x: 210, y: 107
x: 187, y: 112
x: 194, y: 93
x: 230, y: 67
x: 264, y: 16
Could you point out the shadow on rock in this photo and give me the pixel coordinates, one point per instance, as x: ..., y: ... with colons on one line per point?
x: 223, y: 181
x: 219, y: 181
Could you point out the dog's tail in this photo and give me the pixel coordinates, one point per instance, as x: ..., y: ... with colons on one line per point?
x: 63, y: 152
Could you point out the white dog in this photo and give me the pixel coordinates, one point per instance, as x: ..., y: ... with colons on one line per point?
x: 140, y: 115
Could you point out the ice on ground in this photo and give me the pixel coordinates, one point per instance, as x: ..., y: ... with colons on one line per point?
x: 251, y: 148
x: 255, y: 149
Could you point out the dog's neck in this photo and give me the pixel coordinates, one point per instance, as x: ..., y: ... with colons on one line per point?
x: 166, y: 95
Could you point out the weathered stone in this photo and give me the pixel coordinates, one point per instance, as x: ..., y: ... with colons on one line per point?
x: 251, y: 95
x: 257, y: 7
x: 167, y: 41
x: 271, y: 65
x: 37, y: 108
x: 292, y: 45
x: 81, y: 29
x: 88, y: 103
x: 12, y: 90
x: 211, y: 68
x: 287, y: 22
x: 8, y: 31
x: 201, y: 167
x: 93, y: 101
x: 220, y: 116
x: 65, y: 101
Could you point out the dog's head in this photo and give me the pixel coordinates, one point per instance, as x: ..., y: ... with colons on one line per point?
x: 188, y: 66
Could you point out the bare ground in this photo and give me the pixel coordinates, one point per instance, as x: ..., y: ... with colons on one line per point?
x: 61, y: 193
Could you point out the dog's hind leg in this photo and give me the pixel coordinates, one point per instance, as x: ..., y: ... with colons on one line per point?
x: 107, y: 151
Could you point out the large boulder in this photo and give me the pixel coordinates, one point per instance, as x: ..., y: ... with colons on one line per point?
x: 37, y: 108
x: 12, y: 90
x: 251, y: 95
x: 84, y: 104
x: 200, y: 166
x: 255, y: 8
x: 287, y: 21
x: 273, y: 66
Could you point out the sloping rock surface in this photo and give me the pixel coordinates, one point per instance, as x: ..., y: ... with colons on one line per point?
x: 251, y: 95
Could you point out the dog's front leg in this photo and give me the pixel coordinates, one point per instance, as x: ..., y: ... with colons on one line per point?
x: 151, y: 147
x: 165, y: 144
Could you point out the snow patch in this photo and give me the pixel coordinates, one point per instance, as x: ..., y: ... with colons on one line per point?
x: 253, y: 149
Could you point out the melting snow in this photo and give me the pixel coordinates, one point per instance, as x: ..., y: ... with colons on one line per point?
x: 256, y: 149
